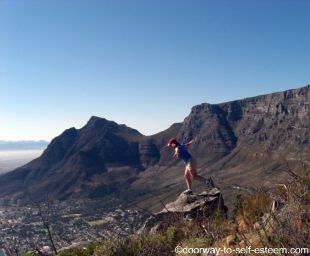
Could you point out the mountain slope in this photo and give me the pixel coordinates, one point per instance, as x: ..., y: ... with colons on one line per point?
x: 77, y: 160
x: 234, y: 141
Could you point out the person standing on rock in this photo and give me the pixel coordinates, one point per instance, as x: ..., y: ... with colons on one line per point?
x: 180, y: 151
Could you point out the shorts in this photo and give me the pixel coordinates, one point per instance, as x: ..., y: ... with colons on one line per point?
x: 191, y: 165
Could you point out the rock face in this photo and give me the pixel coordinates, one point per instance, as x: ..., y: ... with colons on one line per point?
x: 186, y: 206
x: 270, y: 122
x: 236, y: 140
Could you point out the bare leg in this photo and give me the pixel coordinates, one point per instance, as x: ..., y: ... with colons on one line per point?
x: 195, y: 176
x: 188, y: 181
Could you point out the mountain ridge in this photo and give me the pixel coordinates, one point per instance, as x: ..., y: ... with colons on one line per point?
x: 232, y: 140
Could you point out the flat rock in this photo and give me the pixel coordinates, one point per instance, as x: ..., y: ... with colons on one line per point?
x: 205, y: 203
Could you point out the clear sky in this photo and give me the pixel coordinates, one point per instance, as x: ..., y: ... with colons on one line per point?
x: 142, y: 63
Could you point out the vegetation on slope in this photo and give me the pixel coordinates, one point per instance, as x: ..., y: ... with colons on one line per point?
x: 272, y: 219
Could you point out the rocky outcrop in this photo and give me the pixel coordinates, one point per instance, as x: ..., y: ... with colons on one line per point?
x: 190, y: 206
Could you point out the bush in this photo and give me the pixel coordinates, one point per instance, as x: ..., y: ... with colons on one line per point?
x: 253, y: 207
x: 292, y: 227
x: 288, y: 226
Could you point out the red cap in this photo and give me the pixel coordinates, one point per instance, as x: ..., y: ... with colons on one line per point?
x: 172, y: 140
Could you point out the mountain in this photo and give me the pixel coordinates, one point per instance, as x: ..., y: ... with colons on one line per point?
x: 22, y: 145
x: 242, y: 144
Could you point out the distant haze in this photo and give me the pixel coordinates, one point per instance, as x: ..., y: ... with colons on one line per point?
x: 11, y: 159
x: 14, y: 154
x: 23, y: 145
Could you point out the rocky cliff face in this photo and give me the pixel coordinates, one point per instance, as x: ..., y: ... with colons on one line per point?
x: 233, y: 141
x: 271, y: 121
x: 274, y: 120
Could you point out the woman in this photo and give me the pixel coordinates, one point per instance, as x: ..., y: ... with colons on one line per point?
x: 180, y: 151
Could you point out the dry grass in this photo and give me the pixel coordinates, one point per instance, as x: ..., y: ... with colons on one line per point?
x: 285, y: 227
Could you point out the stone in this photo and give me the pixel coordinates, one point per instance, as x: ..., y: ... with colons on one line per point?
x: 185, y: 206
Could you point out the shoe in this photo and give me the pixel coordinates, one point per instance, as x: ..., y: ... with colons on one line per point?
x: 188, y: 192
x: 210, y: 183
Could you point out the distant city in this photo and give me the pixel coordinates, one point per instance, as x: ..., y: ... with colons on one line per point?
x: 73, y: 223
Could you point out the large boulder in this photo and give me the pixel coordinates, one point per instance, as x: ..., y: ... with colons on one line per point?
x: 190, y: 206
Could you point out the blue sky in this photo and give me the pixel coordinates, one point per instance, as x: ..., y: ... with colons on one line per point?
x: 142, y: 63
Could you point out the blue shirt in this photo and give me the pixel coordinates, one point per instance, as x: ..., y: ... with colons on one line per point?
x: 183, y: 153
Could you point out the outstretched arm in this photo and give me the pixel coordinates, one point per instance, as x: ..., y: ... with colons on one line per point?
x: 189, y: 143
